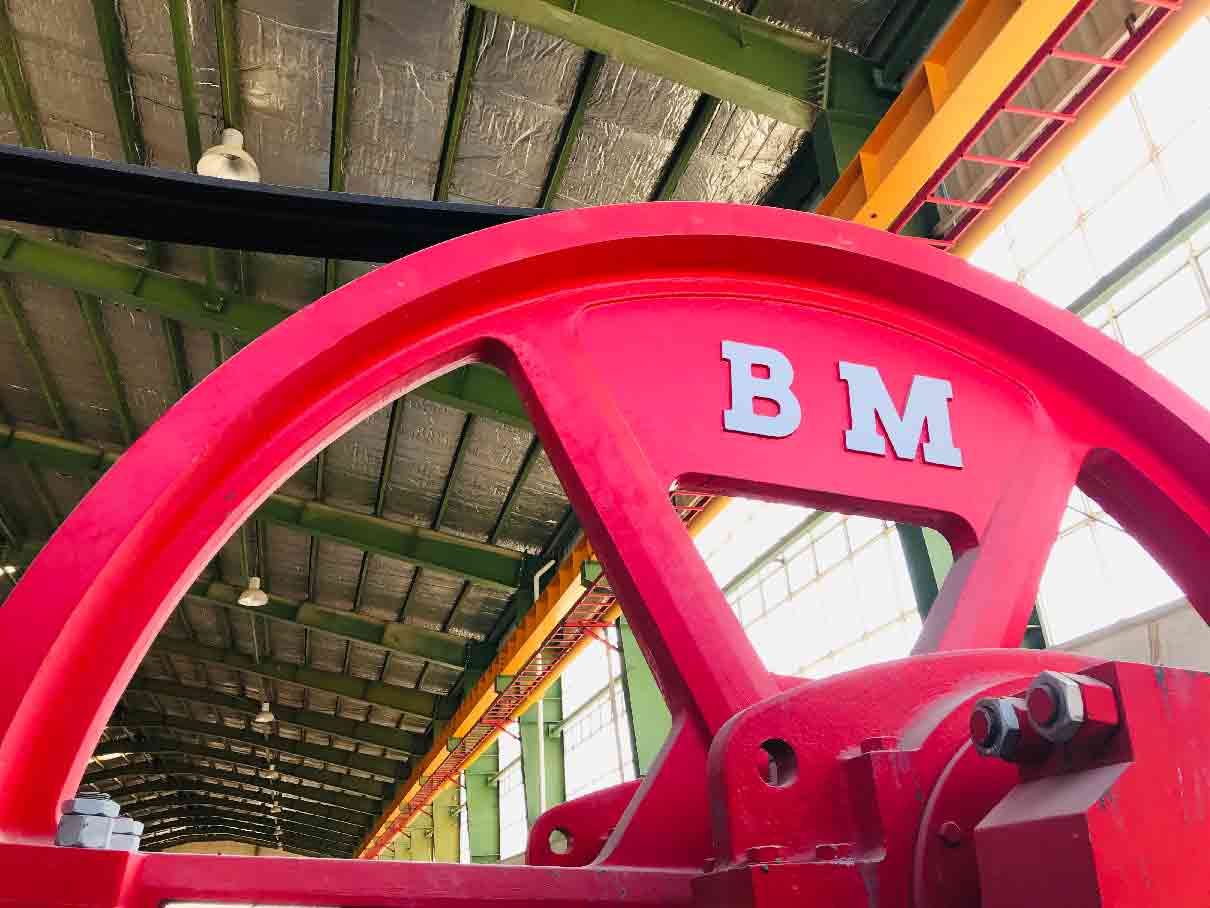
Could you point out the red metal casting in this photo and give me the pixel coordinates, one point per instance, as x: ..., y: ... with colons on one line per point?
x: 857, y: 790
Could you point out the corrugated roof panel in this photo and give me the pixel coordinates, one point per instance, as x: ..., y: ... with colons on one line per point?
x: 327, y: 652
x: 286, y: 642
x: 365, y: 662
x: 407, y: 54
x: 354, y: 463
x: 538, y: 508
x: 20, y: 390
x: 428, y: 436
x: 287, y: 60
x: 339, y: 566
x: 440, y: 679
x: 137, y: 340
x: 433, y: 598
x: 519, y: 97
x: 386, y: 584
x: 493, y: 454
x: 20, y: 502
x: 402, y: 671
x: 288, y: 553
x: 477, y: 615
x: 739, y: 157
x: 61, y: 59
x: 631, y: 123
x: 59, y: 327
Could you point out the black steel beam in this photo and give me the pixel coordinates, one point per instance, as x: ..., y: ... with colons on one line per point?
x: 39, y: 187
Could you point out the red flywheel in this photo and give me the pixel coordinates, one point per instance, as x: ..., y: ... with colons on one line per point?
x: 740, y: 350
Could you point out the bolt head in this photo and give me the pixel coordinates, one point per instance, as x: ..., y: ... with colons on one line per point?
x: 1062, y: 692
x: 951, y: 834
x: 995, y: 728
x: 983, y: 726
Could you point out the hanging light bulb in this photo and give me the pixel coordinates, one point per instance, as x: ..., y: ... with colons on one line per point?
x: 265, y: 717
x: 253, y: 596
x: 10, y: 569
x: 274, y: 807
x: 271, y: 773
x: 228, y: 160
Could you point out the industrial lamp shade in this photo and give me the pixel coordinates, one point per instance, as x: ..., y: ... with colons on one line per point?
x: 228, y: 160
x: 265, y: 716
x: 254, y: 596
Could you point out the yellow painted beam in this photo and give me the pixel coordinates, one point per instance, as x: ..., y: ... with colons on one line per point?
x: 962, y: 77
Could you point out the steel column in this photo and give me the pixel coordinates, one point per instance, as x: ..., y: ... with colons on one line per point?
x: 542, y: 766
x: 483, y: 807
x: 647, y: 714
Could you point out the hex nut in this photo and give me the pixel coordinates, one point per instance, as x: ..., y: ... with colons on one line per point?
x: 124, y: 843
x: 84, y: 831
x: 1004, y: 728
x: 127, y: 826
x: 1068, y: 713
x: 92, y: 807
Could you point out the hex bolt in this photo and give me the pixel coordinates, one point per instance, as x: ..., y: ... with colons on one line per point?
x: 1063, y: 706
x: 93, y: 821
x: 998, y: 729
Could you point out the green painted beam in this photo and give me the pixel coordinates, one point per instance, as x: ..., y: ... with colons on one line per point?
x: 929, y: 560
x: 467, y: 60
x: 542, y: 766
x: 226, y: 14
x: 690, y: 138
x: 447, y: 807
x: 851, y: 107
x: 476, y: 389
x: 488, y: 565
x: 157, y: 806
x: 90, y: 309
x: 376, y: 693
x: 483, y: 807
x: 407, y: 640
x: 334, y: 756
x: 367, y: 788
x: 185, y: 776
x: 719, y: 51
x: 481, y: 563
x: 117, y: 73
x: 182, y: 49
x: 593, y: 62
x: 650, y: 721
x: 16, y: 89
x: 360, y: 732
x: 33, y: 350
x: 346, y: 819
